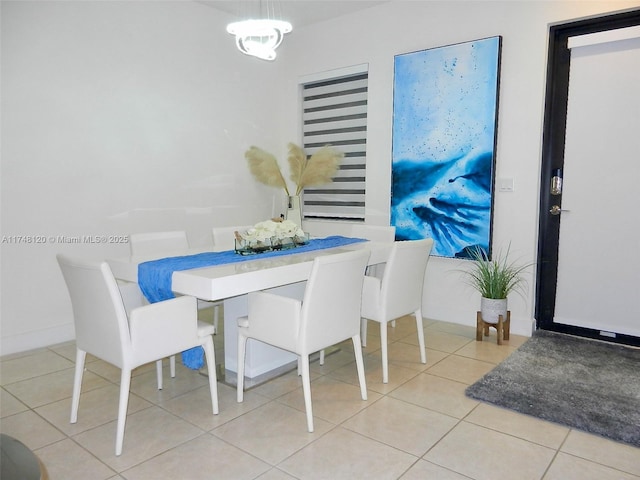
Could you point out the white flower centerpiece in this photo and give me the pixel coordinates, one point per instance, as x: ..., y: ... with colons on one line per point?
x: 269, y: 235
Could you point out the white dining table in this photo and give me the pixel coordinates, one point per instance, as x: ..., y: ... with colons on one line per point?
x: 232, y: 282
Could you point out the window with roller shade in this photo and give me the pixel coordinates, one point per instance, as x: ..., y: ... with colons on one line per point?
x: 334, y: 112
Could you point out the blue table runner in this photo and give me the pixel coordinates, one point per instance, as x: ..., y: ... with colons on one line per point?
x: 155, y: 276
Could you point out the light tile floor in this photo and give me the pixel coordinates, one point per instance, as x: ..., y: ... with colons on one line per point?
x: 418, y: 426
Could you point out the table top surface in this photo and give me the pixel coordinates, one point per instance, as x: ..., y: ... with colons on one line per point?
x: 229, y: 280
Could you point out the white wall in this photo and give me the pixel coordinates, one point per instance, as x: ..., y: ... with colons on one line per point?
x: 375, y: 36
x: 120, y: 117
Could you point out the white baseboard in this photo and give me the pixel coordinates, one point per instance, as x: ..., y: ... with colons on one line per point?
x: 524, y: 328
x: 38, y: 339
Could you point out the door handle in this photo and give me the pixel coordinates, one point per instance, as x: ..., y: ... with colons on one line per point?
x: 555, y: 210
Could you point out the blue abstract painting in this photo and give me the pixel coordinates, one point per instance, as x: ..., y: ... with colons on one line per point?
x: 445, y: 106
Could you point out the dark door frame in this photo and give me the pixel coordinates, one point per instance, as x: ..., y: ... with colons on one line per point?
x: 553, y: 143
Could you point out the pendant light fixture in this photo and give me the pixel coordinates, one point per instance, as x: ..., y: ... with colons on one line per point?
x: 259, y: 37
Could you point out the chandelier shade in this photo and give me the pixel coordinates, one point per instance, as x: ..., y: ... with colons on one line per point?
x: 259, y: 37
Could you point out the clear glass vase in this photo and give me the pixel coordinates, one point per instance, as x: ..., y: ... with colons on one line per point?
x: 245, y: 246
x: 294, y: 210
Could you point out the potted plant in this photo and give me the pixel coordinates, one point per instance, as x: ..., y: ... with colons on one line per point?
x: 494, y: 279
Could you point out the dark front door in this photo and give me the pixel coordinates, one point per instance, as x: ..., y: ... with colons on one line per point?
x: 589, y: 245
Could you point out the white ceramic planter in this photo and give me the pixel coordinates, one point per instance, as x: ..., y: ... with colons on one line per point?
x: 492, y: 308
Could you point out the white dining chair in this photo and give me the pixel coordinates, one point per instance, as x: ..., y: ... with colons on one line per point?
x: 224, y: 237
x: 168, y: 243
x: 398, y: 293
x: 374, y: 233
x: 149, y: 333
x: 329, y: 313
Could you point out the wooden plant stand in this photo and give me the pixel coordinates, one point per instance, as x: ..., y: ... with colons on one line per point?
x: 502, y: 327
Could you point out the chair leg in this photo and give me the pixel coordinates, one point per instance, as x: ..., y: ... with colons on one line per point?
x: 363, y: 331
x: 172, y: 370
x: 306, y: 389
x: 210, y: 356
x: 357, y: 348
x: 420, y: 327
x: 125, y: 384
x: 159, y: 373
x: 77, y: 384
x: 385, y: 355
x: 242, y: 346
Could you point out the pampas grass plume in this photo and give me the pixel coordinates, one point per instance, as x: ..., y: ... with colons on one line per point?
x: 320, y: 168
x: 297, y: 162
x: 265, y: 168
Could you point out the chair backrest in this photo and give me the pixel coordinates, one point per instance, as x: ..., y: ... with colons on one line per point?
x: 101, y: 324
x: 332, y: 300
x: 224, y: 238
x: 403, y: 279
x: 378, y: 233
x: 158, y: 242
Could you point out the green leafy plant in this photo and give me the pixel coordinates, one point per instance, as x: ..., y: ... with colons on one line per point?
x: 495, y: 278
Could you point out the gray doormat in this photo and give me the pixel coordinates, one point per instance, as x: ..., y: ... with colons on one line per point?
x: 585, y: 384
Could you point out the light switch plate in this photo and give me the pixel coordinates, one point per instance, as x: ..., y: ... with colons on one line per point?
x: 505, y: 184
